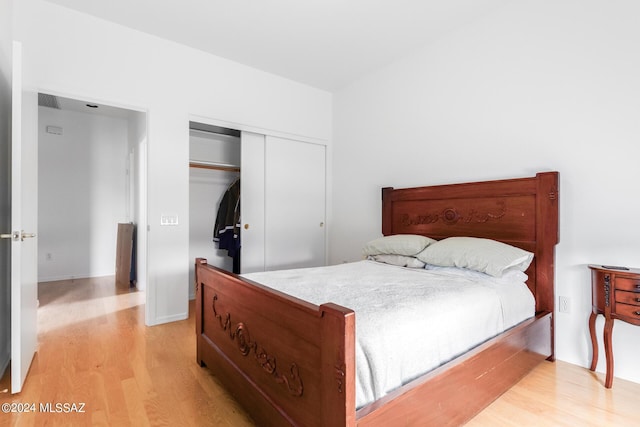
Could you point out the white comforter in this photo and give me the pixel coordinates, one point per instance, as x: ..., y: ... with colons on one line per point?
x: 408, y: 321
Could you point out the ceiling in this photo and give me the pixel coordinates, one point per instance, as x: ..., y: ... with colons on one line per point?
x: 79, y: 106
x: 323, y: 43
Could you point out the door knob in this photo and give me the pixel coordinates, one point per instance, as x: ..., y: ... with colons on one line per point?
x: 15, y: 236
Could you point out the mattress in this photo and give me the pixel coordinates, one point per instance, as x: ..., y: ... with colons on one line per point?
x: 409, y: 320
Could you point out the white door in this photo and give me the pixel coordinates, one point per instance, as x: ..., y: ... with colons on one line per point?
x: 252, y: 202
x: 294, y: 204
x: 24, y: 219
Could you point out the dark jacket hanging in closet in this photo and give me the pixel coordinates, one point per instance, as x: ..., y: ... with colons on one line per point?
x: 227, y: 228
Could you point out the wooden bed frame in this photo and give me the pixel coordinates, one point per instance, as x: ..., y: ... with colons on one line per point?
x: 291, y: 362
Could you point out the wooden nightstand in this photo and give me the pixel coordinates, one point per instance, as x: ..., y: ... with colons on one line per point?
x: 615, y: 294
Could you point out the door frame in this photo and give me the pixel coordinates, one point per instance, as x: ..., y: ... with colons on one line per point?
x: 142, y: 253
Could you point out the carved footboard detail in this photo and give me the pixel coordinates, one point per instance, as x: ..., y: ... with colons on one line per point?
x: 240, y: 334
x: 296, y: 366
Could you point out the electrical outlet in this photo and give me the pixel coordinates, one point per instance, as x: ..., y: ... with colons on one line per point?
x: 563, y: 304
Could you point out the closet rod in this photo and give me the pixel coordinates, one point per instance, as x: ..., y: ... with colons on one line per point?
x: 202, y: 127
x: 214, y: 166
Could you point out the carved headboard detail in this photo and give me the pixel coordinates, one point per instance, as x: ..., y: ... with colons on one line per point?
x: 451, y: 216
x: 521, y: 212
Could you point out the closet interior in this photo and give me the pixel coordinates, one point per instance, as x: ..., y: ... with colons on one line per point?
x: 214, y: 165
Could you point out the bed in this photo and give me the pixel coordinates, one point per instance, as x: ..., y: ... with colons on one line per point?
x: 292, y: 362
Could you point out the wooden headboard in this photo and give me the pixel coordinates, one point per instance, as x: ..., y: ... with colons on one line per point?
x: 521, y: 212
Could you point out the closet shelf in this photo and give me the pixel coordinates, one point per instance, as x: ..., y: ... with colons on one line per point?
x: 213, y: 165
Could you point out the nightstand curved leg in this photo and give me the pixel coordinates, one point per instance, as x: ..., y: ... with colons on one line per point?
x: 608, y: 328
x: 594, y: 341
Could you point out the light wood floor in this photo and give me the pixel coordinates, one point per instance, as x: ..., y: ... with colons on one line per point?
x: 94, y: 349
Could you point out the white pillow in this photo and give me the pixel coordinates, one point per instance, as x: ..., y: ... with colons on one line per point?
x: 484, y: 255
x: 399, y: 260
x: 508, y: 277
x: 397, y: 244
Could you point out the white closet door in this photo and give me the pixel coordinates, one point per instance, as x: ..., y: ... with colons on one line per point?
x: 252, y: 195
x: 295, y: 204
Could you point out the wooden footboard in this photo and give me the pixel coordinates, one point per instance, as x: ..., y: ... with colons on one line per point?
x: 286, y: 361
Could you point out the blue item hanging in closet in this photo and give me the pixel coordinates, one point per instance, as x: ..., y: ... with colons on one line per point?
x: 227, y: 227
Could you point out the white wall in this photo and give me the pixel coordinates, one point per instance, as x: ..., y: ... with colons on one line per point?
x: 82, y: 193
x: 76, y: 55
x: 5, y: 178
x: 537, y: 85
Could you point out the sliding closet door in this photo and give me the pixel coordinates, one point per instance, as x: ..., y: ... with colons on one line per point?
x: 295, y: 204
x: 252, y: 196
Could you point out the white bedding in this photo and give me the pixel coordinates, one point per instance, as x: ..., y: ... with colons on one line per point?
x: 408, y: 320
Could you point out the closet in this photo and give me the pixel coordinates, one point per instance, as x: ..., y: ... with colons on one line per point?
x: 282, y: 197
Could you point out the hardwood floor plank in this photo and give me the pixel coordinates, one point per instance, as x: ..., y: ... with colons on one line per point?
x: 132, y: 404
x: 95, y: 349
x: 561, y: 394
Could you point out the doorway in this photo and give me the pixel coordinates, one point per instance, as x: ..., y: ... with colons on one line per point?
x: 91, y: 177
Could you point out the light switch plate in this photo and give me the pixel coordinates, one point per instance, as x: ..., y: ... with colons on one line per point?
x: 169, y: 219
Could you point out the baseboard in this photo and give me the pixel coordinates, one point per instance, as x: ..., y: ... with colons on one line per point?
x: 76, y: 277
x: 169, y: 319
